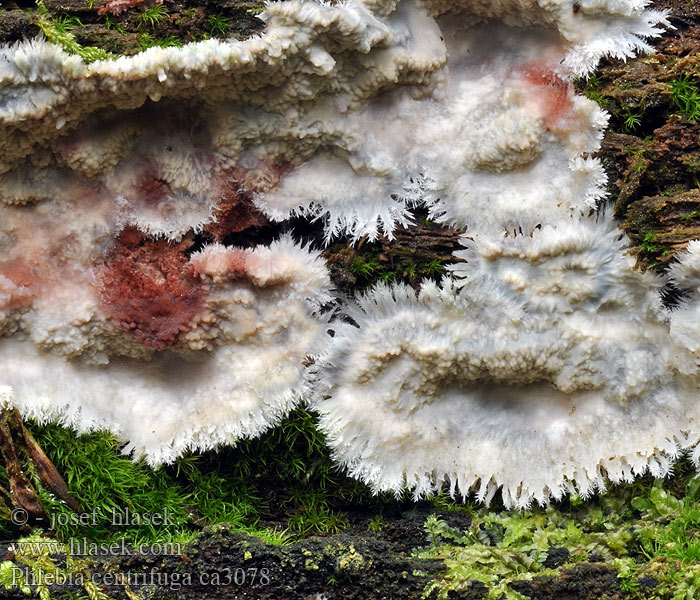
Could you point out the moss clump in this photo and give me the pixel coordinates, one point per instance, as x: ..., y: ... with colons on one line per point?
x: 79, y: 28
x: 274, y: 487
x: 591, y: 88
x: 649, y: 532
x: 631, y: 120
x: 58, y: 31
x: 686, y: 96
x: 501, y: 547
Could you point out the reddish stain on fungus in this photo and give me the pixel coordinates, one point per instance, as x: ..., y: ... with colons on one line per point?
x: 555, y: 96
x: 18, y: 272
x: 219, y: 262
x: 150, y: 186
x: 235, y: 211
x: 282, y: 168
x: 25, y: 278
x: 144, y: 288
x: 115, y: 7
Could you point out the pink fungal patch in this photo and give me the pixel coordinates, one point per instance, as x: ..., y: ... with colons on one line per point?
x: 151, y: 188
x: 116, y: 7
x: 22, y: 279
x: 218, y: 262
x: 145, y: 289
x: 19, y: 272
x: 235, y: 211
x: 553, y: 96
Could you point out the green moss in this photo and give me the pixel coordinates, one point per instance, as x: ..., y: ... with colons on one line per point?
x: 686, y: 97
x: 154, y: 15
x: 219, y: 25
x: 108, y: 36
x: 108, y: 484
x: 591, y: 89
x: 373, y: 265
x: 597, y: 97
x: 648, y: 528
x: 639, y: 166
x: 649, y: 244
x: 376, y: 524
x: 666, y: 536
x: 58, y: 31
x: 645, y: 529
x: 39, y: 563
x: 365, y: 267
x: 692, y: 163
x: 634, y: 151
x: 630, y: 120
x: 314, y: 515
x: 432, y: 267
x: 111, y: 24
x: 673, y: 190
x: 286, y: 475
x: 146, y: 41
x: 370, y: 269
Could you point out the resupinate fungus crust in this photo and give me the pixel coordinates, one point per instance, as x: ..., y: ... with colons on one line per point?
x: 522, y: 371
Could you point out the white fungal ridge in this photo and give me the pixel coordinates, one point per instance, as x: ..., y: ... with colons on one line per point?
x: 523, y: 374
x: 306, y: 91
x: 247, y: 374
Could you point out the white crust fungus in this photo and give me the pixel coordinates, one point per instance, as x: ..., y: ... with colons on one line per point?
x: 358, y: 109
x: 523, y: 372
x: 526, y: 373
x: 236, y: 370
